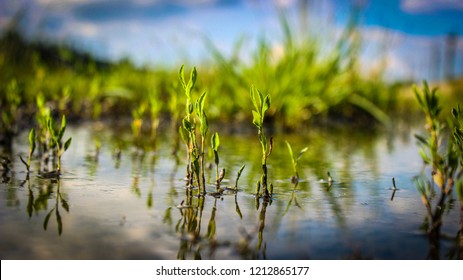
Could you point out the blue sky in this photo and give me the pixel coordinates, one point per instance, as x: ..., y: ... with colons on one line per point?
x: 409, y: 34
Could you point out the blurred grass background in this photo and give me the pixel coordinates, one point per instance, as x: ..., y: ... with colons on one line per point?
x: 311, y: 83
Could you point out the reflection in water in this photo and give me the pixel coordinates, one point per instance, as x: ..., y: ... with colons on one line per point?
x: 189, y: 228
x: 352, y: 216
x: 39, y: 197
x: 293, y: 197
x: 260, y: 238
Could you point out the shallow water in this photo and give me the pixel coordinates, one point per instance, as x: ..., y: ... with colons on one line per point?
x: 131, y: 208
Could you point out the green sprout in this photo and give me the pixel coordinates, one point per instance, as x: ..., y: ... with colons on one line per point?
x: 56, y: 137
x: 187, y: 129
x: 196, y: 167
x: 261, y: 105
x: 294, y: 160
x: 31, y: 150
x: 215, y: 143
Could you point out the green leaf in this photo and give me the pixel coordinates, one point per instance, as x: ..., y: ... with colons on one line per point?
x: 193, y: 77
x: 181, y: 76
x: 32, y: 140
x: 190, y: 109
x: 50, y: 126
x: 191, y: 82
x: 253, y: 98
x: 187, y: 125
x: 204, y: 125
x: 424, y: 156
x: 184, y: 134
x: 290, y: 151
x: 265, y: 105
x: 201, y: 102
x: 261, y: 97
x: 63, y: 122
x: 215, y: 141
x: 256, y: 119
x: 301, y: 152
x: 67, y: 144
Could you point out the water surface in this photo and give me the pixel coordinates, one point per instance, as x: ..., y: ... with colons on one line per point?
x: 136, y: 206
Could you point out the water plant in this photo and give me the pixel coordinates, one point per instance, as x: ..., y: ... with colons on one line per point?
x: 261, y: 105
x: 186, y: 130
x: 443, y: 161
x: 57, y: 145
x: 31, y: 139
x: 215, y: 143
x: 294, y: 161
x: 194, y: 112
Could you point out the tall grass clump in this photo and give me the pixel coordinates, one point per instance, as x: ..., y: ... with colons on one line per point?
x: 442, y: 152
x: 310, y: 79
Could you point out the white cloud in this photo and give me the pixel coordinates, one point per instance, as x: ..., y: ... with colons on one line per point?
x: 284, y: 3
x: 86, y: 29
x: 422, y: 6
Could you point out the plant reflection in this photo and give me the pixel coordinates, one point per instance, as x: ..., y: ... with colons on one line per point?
x: 293, y: 197
x: 260, y: 235
x: 189, y: 228
x: 38, y: 201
